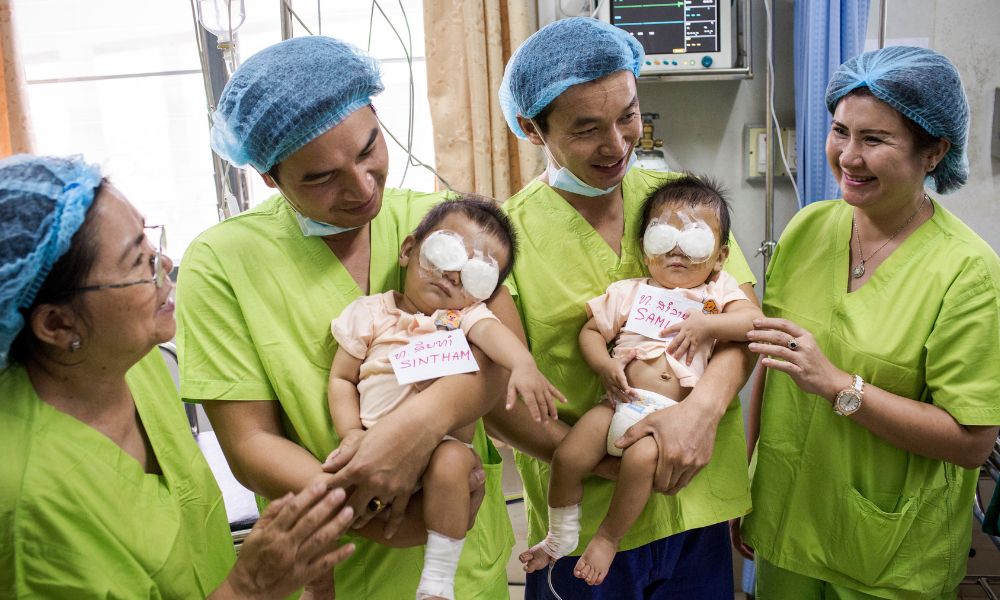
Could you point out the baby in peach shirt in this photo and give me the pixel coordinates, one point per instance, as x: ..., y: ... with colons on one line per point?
x: 685, y: 233
x: 455, y: 260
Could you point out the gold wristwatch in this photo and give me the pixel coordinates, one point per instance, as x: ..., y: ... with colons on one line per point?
x: 849, y: 401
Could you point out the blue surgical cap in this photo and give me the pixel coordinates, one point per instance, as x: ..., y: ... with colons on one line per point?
x: 925, y: 87
x: 559, y: 55
x: 287, y: 95
x: 43, y: 201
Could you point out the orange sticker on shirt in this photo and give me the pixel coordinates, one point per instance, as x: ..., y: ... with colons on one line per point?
x: 449, y: 321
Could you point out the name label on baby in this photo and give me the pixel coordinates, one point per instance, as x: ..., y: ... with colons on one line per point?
x: 433, y: 355
x: 655, y: 308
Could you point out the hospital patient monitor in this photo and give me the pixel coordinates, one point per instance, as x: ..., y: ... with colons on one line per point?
x: 677, y: 35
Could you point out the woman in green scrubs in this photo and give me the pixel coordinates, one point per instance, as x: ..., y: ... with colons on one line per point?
x: 103, y: 491
x: 882, y: 349
x: 257, y: 294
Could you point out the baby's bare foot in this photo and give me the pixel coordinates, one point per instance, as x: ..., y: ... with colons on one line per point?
x: 535, y: 558
x: 596, y: 560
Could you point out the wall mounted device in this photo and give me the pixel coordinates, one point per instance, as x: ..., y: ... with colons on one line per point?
x: 678, y: 35
x: 755, y: 153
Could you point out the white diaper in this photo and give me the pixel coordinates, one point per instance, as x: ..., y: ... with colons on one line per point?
x: 629, y: 413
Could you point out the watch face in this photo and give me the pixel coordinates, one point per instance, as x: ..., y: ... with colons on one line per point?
x: 848, y: 401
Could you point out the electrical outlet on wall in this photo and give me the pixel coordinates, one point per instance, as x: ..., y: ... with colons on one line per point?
x: 755, y: 153
x: 756, y: 149
x: 792, y: 151
x: 995, y: 134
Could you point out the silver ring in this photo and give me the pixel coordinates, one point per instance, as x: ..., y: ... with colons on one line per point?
x: 792, y: 344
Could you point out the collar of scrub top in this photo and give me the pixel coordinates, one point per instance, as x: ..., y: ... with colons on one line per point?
x: 446, y: 251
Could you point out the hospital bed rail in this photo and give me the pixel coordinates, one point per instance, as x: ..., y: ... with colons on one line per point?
x: 990, y: 472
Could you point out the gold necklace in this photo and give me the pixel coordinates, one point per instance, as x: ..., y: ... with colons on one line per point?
x: 859, y: 270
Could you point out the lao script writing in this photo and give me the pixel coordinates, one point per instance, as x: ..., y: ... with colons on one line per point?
x: 433, y: 355
x: 655, y: 309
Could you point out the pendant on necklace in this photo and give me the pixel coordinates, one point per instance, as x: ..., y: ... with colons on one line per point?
x: 858, y: 271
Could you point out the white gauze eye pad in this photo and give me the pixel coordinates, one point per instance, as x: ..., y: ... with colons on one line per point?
x: 697, y: 242
x: 659, y: 238
x: 479, y: 277
x: 443, y: 251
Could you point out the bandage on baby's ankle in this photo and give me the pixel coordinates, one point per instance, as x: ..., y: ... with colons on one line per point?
x: 441, y: 556
x: 564, y: 531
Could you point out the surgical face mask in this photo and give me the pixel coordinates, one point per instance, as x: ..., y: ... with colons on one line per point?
x: 445, y: 251
x: 563, y: 179
x: 314, y: 228
x: 696, y: 240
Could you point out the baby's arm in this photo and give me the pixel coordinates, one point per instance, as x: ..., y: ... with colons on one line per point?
x: 731, y: 325
x: 505, y: 349
x: 735, y: 320
x: 342, y: 394
x: 610, y: 369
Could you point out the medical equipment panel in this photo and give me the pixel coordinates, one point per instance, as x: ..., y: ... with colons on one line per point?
x: 678, y: 35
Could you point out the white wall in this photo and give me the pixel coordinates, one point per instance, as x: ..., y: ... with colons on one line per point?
x: 968, y: 33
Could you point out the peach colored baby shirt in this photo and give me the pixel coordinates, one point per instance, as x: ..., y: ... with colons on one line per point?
x: 611, y: 309
x: 371, y: 328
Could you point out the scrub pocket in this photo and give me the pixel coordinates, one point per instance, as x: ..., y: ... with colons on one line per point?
x: 482, y: 571
x: 496, y: 535
x: 934, y: 550
x: 866, y: 538
x: 730, y: 477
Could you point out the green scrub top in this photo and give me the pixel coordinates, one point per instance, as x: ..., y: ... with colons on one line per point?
x: 82, y: 519
x: 562, y: 263
x: 832, y: 500
x: 255, y: 299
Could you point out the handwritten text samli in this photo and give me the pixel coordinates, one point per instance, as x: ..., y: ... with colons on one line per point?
x: 654, y: 309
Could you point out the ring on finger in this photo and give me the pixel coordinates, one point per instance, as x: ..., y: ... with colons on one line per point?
x: 375, y: 506
x: 792, y: 344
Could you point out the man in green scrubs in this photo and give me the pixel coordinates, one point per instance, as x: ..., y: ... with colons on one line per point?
x: 257, y: 293
x: 579, y: 225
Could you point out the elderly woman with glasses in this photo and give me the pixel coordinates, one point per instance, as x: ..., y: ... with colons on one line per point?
x: 881, y: 352
x: 103, y: 491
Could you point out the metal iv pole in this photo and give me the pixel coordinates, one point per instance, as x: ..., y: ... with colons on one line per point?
x: 882, y: 11
x: 214, y: 76
x: 767, y: 246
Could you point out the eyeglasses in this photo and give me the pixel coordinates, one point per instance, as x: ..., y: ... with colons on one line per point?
x: 159, y: 275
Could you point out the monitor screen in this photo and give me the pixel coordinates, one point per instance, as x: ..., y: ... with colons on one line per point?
x: 672, y: 27
x: 679, y: 34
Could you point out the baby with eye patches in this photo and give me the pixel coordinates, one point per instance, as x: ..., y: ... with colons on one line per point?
x: 684, y: 234
x: 455, y: 260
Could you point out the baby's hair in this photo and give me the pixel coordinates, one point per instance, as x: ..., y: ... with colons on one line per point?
x: 482, y: 211
x: 690, y: 190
